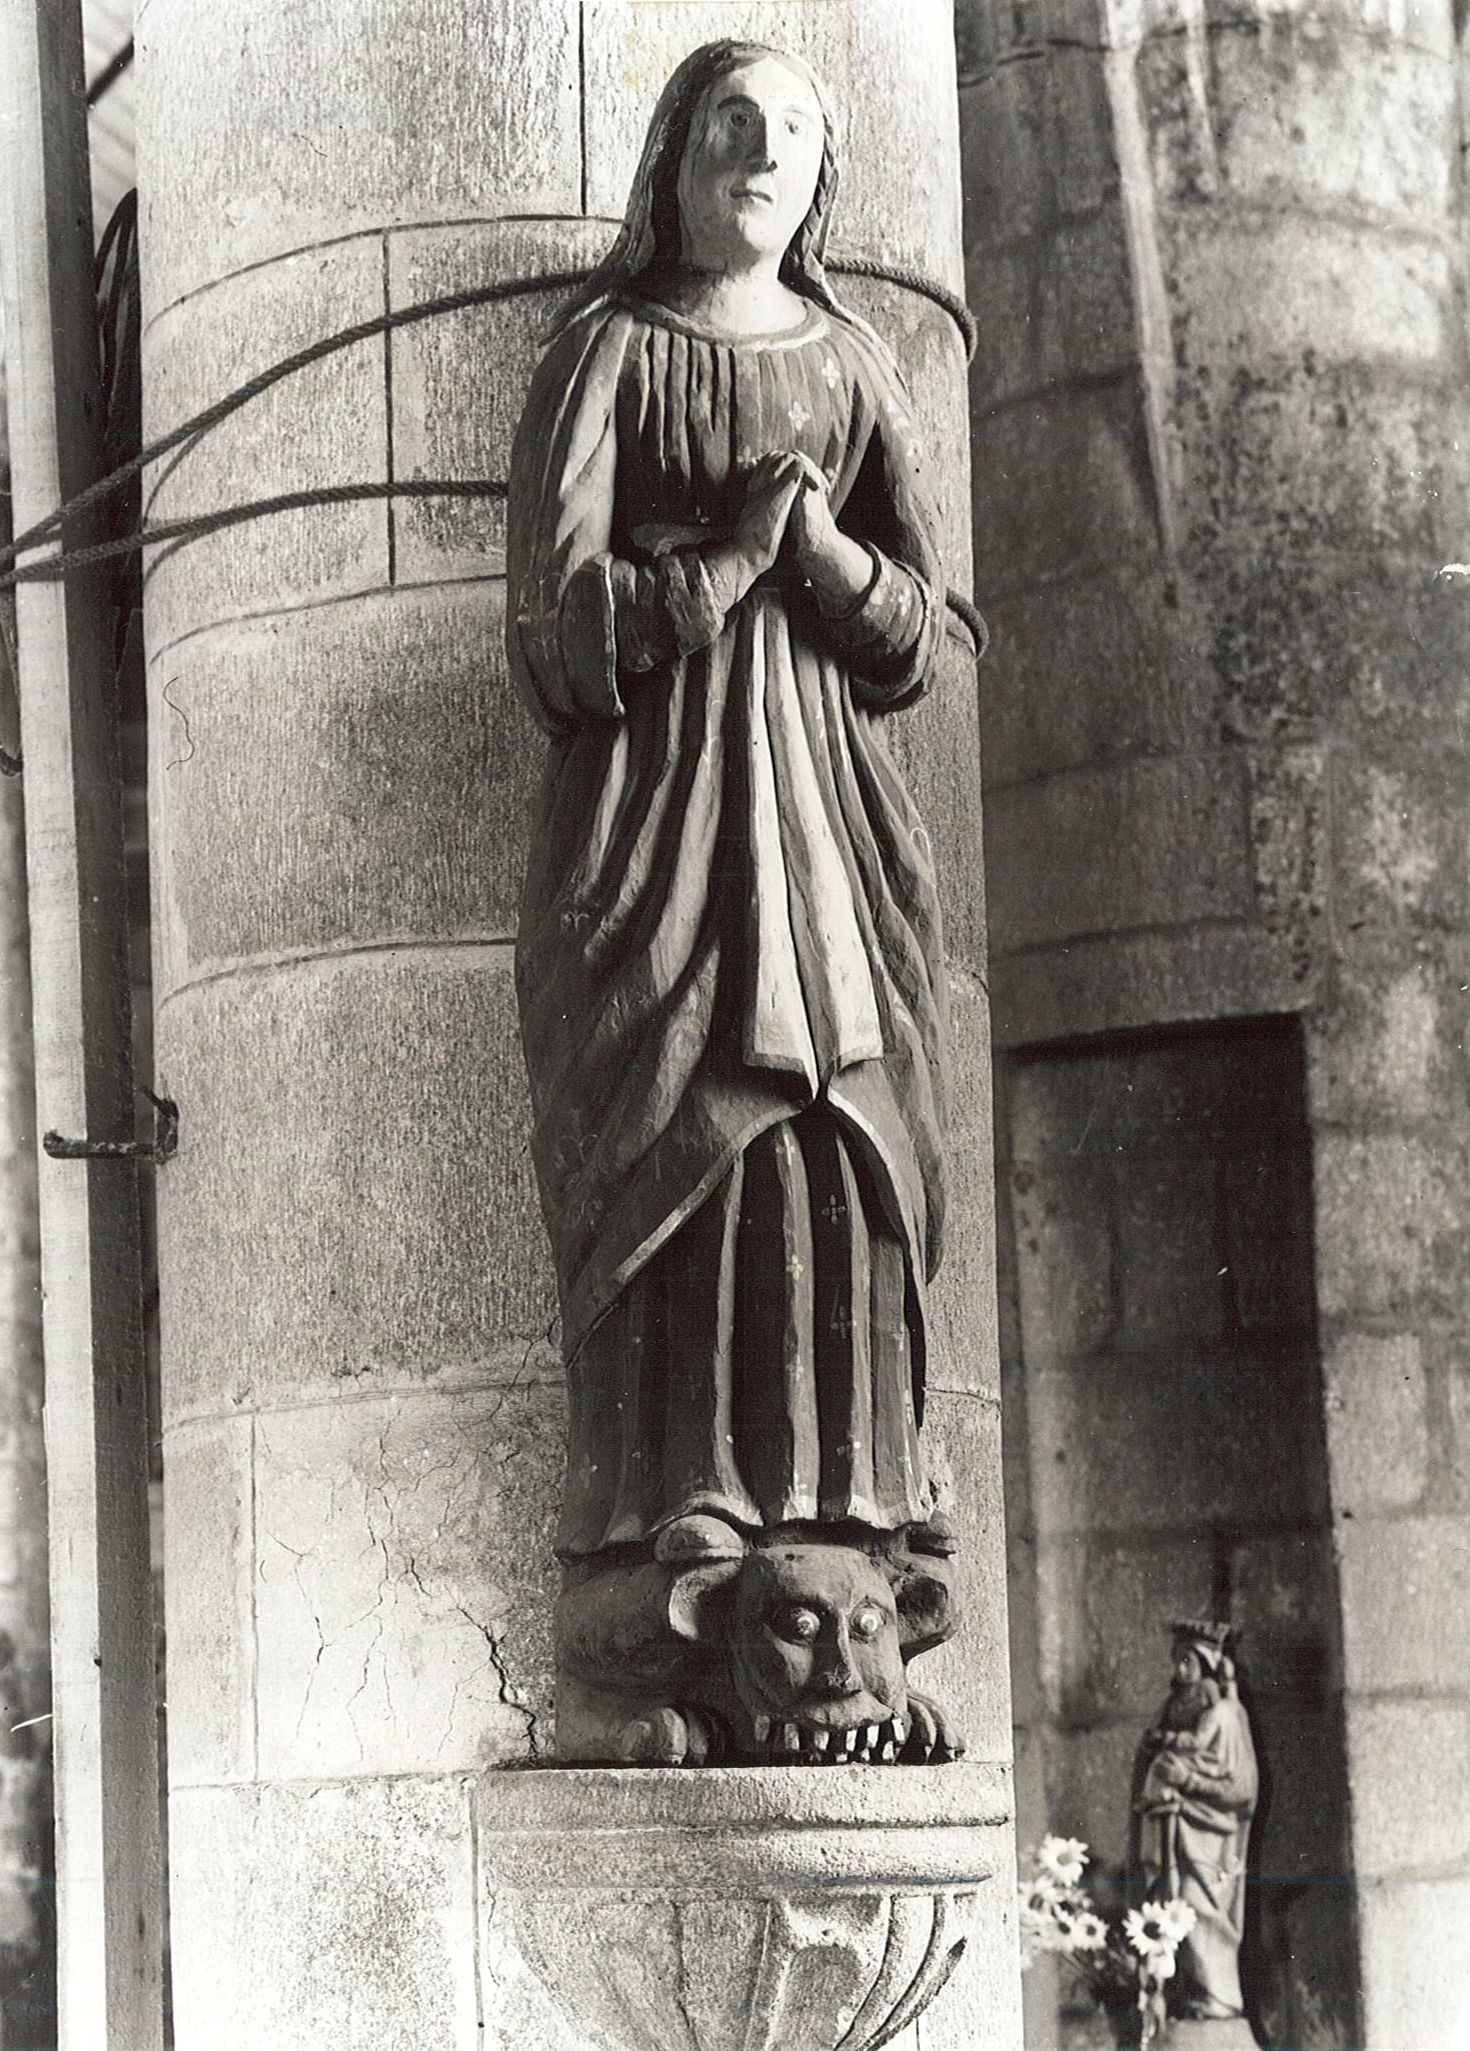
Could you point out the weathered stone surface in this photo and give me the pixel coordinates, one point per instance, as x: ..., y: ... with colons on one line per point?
x: 403, y: 818
x: 1390, y: 1212
x: 362, y: 148
x: 1024, y: 532
x: 1405, y: 1602
x: 1063, y: 1224
x: 1105, y: 1606
x: 382, y: 1236
x: 1229, y: 1437
x: 1410, y: 1765
x: 1301, y: 121
x: 967, y: 1673
x: 324, y: 1917
x: 900, y: 201
x: 1037, y: 144
x: 1413, y: 1934
x: 1384, y: 1052
x: 1377, y: 1426
x: 1080, y: 854
x: 458, y: 382
x: 324, y: 425
x: 1056, y: 308
x: 403, y: 1581
x: 210, y: 1589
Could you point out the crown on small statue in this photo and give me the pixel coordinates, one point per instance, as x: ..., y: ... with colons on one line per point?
x: 1203, y: 1630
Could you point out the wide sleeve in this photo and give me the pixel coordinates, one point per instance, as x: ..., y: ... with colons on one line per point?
x: 890, y: 639
x: 579, y: 618
x: 1222, y: 1781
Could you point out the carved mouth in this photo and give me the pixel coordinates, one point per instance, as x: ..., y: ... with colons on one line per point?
x: 800, y: 1744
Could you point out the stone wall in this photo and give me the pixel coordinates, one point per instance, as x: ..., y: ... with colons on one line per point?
x: 1221, y: 448
x: 1164, y: 1408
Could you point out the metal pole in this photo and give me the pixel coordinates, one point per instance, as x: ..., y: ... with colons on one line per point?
x: 107, y: 1837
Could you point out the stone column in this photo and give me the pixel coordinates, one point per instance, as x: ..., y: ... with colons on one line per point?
x: 363, y: 1410
x: 1222, y: 437
x: 27, y: 1931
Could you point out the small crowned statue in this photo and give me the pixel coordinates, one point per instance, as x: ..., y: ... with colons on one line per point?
x: 1195, y: 1787
x: 723, y: 581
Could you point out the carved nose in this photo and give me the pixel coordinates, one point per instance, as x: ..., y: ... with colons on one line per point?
x: 840, y: 1675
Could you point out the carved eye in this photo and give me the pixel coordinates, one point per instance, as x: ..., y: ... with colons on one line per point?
x: 867, y: 1622
x: 801, y: 1624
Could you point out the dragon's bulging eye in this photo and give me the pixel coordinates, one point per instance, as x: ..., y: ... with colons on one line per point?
x: 867, y: 1622
x: 802, y: 1625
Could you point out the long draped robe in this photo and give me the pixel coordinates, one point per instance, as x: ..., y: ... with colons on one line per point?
x: 729, y: 962
x: 1191, y: 1844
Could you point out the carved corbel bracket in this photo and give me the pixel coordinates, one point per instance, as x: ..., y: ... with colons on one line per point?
x: 742, y: 1908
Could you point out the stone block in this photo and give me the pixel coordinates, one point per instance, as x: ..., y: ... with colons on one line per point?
x: 1063, y: 1223
x: 1056, y: 307
x: 1318, y: 120
x: 1266, y: 1233
x: 1171, y: 1291
x: 900, y: 203
x: 969, y: 1674
x: 317, y: 1235
x: 1410, y: 1771
x: 1452, y: 1363
x: 1037, y: 147
x: 493, y: 127
x: 458, y: 382
x: 332, y: 1917
x: 1062, y: 674
x: 1402, y: 841
x: 1174, y: 1441
x: 1377, y: 1426
x: 1285, y: 286
x: 1405, y: 1603
x: 1415, y: 1989
x: 1100, y: 851
x: 1389, y: 1225
x: 1387, y: 1047
x: 1269, y: 472
x: 209, y: 1590
x: 346, y: 776
x: 404, y: 1577
x: 1129, y: 982
x: 325, y: 425
x: 1098, y: 440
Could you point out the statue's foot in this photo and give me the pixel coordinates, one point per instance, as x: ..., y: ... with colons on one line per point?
x: 934, y: 1738
x: 672, y: 1737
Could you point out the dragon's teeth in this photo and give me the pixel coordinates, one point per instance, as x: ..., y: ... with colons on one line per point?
x: 763, y: 1730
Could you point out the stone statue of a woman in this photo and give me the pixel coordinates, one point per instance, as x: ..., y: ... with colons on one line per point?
x: 723, y: 580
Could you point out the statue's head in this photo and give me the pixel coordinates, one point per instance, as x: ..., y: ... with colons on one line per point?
x: 733, y: 115
x: 814, y: 1639
x: 814, y: 1634
x: 1201, y: 1669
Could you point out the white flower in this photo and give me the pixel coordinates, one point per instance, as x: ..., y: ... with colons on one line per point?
x: 1089, y: 1932
x: 1063, y: 1858
x: 1151, y: 1935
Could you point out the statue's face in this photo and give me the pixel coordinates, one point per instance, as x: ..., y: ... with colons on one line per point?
x: 749, y: 170
x: 1188, y: 1666
x: 815, y: 1640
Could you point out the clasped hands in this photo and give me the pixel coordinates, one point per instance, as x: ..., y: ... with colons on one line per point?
x: 787, y: 517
